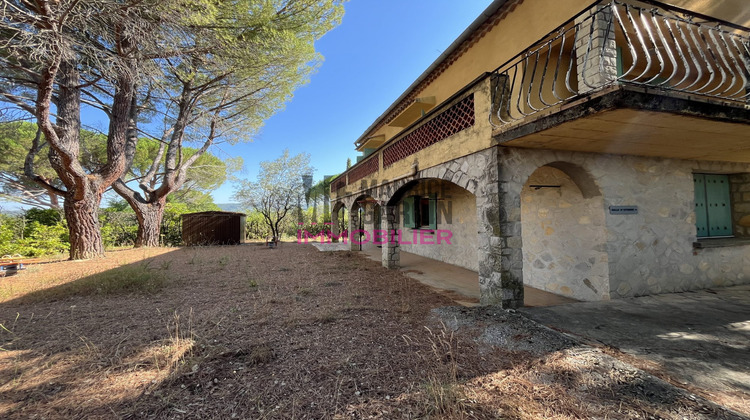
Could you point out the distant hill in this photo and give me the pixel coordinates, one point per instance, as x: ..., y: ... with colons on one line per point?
x: 230, y: 206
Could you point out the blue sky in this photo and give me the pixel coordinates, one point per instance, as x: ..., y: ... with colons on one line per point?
x: 379, y: 49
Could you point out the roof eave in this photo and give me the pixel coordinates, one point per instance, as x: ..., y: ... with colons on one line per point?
x: 488, y: 13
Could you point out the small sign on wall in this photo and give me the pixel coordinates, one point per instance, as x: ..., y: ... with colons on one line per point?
x: 623, y: 209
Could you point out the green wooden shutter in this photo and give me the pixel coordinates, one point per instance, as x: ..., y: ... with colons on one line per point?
x: 433, y: 211
x: 701, y: 211
x: 718, y: 205
x: 409, y: 221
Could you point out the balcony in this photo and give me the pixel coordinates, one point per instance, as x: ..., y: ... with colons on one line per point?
x: 629, y: 78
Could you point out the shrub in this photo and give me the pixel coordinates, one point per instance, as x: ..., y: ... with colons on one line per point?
x: 35, y: 239
x: 119, y: 228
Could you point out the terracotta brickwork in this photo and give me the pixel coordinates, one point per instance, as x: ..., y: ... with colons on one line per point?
x: 364, y: 169
x: 449, y: 122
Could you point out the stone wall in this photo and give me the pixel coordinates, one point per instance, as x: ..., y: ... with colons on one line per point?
x: 564, y: 237
x: 740, y: 186
x: 457, y: 213
x: 651, y: 251
x: 498, y: 233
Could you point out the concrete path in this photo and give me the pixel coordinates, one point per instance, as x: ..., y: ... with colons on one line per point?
x: 701, y: 339
x: 463, y: 284
x: 330, y: 246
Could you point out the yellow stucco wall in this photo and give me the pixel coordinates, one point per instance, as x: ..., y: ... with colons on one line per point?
x: 527, y: 23
x: 468, y: 141
x: 524, y: 26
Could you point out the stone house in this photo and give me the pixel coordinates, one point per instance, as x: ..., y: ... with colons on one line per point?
x: 595, y: 152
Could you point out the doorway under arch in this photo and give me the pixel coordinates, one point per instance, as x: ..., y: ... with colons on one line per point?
x: 437, y: 219
x: 564, y: 234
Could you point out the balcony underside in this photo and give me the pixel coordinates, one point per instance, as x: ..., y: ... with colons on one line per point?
x: 632, y: 121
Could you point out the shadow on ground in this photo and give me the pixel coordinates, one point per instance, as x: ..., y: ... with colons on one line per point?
x: 701, y: 340
x: 252, y: 332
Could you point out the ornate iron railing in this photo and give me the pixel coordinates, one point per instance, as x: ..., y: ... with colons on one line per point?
x: 615, y: 42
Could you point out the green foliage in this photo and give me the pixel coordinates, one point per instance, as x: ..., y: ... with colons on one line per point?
x: 278, y: 191
x: 206, y: 174
x: 11, y: 230
x: 47, y: 217
x: 36, y: 240
x: 313, y: 224
x: 321, y: 189
x: 171, y: 223
x: 119, y: 227
x: 255, y: 226
x: 46, y: 240
x: 15, y: 141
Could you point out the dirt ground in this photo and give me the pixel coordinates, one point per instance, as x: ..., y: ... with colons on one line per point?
x: 257, y: 333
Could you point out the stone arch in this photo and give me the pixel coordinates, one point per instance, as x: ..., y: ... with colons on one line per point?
x: 362, y: 222
x: 338, y: 218
x: 377, y: 215
x: 451, y: 209
x: 580, y: 176
x: 337, y: 206
x: 497, y: 215
x: 563, y: 232
x: 399, y: 191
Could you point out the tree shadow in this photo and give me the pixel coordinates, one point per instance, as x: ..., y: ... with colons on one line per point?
x: 253, y: 333
x: 699, y: 339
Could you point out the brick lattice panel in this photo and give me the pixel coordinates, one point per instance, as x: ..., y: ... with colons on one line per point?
x: 449, y: 122
x: 364, y: 169
x: 483, y: 30
x: 340, y: 182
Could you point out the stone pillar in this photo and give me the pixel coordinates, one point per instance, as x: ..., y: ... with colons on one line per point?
x: 389, y: 220
x: 740, y: 192
x: 368, y: 224
x: 335, y: 224
x: 499, y: 230
x: 354, y: 239
x: 596, y: 51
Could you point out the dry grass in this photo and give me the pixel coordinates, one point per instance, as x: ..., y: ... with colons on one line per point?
x: 252, y: 332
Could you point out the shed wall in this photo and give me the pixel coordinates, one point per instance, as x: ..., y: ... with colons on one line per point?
x: 213, y: 229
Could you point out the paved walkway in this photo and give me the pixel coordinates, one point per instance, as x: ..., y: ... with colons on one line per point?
x: 702, y: 339
x: 462, y: 284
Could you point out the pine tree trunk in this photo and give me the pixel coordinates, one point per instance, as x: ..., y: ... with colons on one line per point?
x: 83, y: 224
x: 149, y: 217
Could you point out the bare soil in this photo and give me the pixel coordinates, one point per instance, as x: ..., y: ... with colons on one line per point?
x: 251, y: 332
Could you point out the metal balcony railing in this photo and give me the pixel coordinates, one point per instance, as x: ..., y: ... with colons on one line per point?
x: 615, y: 42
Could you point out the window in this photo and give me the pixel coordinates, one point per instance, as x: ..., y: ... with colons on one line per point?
x: 420, y: 212
x: 713, y: 213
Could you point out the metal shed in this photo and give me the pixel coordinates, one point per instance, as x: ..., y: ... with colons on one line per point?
x: 213, y: 228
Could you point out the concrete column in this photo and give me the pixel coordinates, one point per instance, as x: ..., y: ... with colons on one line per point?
x: 389, y: 221
x: 596, y: 51
x: 499, y: 230
x: 354, y: 239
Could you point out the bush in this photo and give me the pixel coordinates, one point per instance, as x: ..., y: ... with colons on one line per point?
x: 171, y: 223
x: 40, y: 240
x: 11, y: 231
x: 46, y: 240
x: 255, y: 226
x: 46, y: 217
x: 119, y: 228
